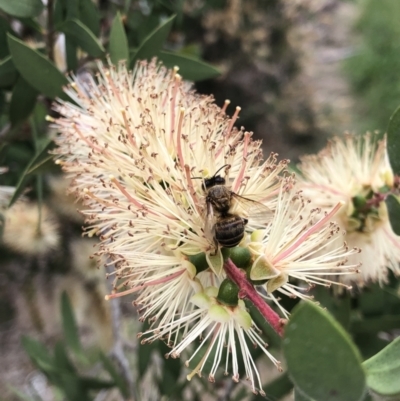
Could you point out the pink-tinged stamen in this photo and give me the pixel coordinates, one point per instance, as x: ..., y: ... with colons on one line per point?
x: 148, y: 284
x: 324, y: 187
x: 233, y: 120
x: 128, y: 129
x: 179, y: 138
x: 113, y: 87
x: 316, y: 227
x: 240, y: 176
x: 392, y: 239
x: 90, y: 144
x: 172, y: 109
x: 129, y: 197
x: 77, y: 89
x: 191, y: 188
x: 226, y: 104
x: 247, y: 290
x: 99, y: 200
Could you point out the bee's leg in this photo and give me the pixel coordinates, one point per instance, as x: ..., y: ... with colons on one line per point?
x: 216, y: 245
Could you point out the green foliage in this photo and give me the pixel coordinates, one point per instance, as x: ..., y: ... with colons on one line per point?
x: 118, y: 45
x: 383, y: 370
x: 22, y: 8
x: 373, y: 70
x: 82, y: 37
x: 153, y: 43
x: 393, y: 141
x: 60, y: 368
x: 36, y: 69
x: 393, y: 205
x: 321, y: 358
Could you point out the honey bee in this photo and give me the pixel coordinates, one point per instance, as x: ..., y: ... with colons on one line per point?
x: 224, y: 224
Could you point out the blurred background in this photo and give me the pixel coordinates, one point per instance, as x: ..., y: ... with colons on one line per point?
x: 301, y: 70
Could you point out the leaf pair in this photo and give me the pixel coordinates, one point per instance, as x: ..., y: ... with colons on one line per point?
x: 324, y: 364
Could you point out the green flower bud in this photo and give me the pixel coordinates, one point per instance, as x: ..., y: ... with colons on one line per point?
x: 240, y: 256
x: 228, y: 293
x: 359, y: 201
x: 199, y: 261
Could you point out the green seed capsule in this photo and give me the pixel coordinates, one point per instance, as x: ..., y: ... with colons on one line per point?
x: 228, y: 293
x: 240, y: 256
x: 200, y: 262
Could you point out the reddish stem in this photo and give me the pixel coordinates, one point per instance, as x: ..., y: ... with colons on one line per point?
x: 247, y: 290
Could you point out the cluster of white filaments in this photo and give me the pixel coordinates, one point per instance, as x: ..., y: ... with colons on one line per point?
x: 134, y: 145
x: 355, y: 170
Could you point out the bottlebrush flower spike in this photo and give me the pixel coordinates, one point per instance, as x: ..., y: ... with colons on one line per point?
x: 355, y: 170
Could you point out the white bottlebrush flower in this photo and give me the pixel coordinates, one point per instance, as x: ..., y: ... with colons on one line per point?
x: 298, y: 245
x: 224, y: 331
x: 6, y: 192
x: 132, y: 145
x: 355, y: 170
x: 30, y: 231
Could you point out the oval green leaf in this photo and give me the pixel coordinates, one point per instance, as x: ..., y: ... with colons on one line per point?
x: 393, y: 206
x: 89, y: 15
x: 8, y: 73
x: 82, y: 36
x: 118, y: 45
x: 70, y: 327
x: 322, y: 360
x: 23, y: 101
x: 189, y: 67
x: 36, y: 69
x: 154, y: 42
x: 22, y: 8
x: 393, y: 138
x: 383, y: 370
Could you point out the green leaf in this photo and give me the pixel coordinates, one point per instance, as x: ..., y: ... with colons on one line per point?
x: 90, y: 383
x: 89, y: 15
x: 62, y: 360
x: 154, y: 42
x: 71, y: 54
x: 322, y: 360
x: 23, y: 101
x: 26, y: 175
x: 339, y: 307
x: 70, y: 327
x: 38, y: 354
x: 393, y: 138
x: 22, y: 8
x: 8, y: 73
x: 119, y: 382
x: 82, y: 36
x: 36, y: 69
x: 383, y: 370
x: 4, y: 29
x: 118, y: 45
x: 189, y: 67
x: 393, y: 206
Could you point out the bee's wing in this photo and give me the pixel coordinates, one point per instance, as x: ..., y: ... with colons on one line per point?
x: 256, y: 212
x: 210, y: 220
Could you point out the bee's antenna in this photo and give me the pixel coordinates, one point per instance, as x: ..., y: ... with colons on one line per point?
x: 225, y: 165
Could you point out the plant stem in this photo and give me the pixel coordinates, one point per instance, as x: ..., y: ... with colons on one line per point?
x: 247, y: 290
x: 50, y: 29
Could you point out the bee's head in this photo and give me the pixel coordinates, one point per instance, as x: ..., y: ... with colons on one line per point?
x: 216, y: 179
x: 211, y: 182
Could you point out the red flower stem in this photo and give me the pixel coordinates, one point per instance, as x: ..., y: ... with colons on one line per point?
x: 247, y: 290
